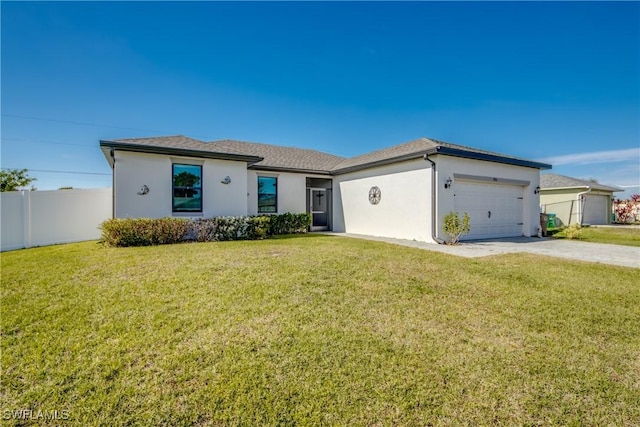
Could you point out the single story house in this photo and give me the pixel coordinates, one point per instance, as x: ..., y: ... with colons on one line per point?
x: 403, y: 191
x: 576, y: 201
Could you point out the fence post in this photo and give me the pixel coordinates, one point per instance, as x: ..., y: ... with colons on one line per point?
x: 26, y: 225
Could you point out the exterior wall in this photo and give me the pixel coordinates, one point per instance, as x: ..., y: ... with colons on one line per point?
x: 292, y: 190
x: 562, y: 203
x: 133, y: 170
x: 40, y: 218
x: 404, y: 210
x: 447, y: 166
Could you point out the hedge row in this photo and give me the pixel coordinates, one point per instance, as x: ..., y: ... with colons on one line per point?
x: 147, y: 231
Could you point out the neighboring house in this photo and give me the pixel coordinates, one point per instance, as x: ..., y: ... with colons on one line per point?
x: 576, y: 201
x: 403, y: 191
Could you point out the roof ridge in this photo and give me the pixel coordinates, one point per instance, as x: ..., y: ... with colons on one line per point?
x: 264, y: 144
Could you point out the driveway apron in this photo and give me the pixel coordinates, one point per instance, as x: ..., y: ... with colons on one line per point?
x: 626, y: 256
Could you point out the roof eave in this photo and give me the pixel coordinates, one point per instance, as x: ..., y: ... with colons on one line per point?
x: 448, y: 152
x: 140, y: 148
x: 583, y: 187
x: 487, y: 157
x: 286, y: 169
x: 411, y: 156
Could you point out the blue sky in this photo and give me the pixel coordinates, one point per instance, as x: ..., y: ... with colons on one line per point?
x: 557, y: 82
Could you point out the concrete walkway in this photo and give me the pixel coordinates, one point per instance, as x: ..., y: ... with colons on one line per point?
x: 626, y: 256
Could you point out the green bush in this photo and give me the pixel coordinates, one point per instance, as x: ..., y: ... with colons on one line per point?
x: 456, y: 227
x: 143, y: 231
x: 289, y: 223
x: 258, y: 227
x: 147, y: 231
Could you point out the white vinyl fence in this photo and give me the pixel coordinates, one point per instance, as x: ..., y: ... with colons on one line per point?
x: 40, y: 218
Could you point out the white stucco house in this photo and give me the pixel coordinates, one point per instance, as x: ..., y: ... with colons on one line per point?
x: 402, y: 191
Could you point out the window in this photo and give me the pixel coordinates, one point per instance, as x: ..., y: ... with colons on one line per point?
x: 187, y: 188
x: 267, y: 194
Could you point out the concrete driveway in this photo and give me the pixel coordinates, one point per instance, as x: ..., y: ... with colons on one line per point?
x: 626, y: 256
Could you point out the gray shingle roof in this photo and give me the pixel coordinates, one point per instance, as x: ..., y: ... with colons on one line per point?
x: 419, y: 147
x: 176, y: 144
x: 173, y: 141
x: 277, y: 157
x: 552, y: 180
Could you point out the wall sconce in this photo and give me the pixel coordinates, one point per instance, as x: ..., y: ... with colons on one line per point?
x: 226, y: 180
x: 447, y: 183
x: 144, y: 190
x: 537, y: 190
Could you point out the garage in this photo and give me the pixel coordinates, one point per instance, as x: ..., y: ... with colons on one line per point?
x: 576, y: 201
x: 596, y: 209
x: 495, y: 209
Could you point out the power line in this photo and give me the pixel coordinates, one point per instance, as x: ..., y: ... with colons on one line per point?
x: 18, y: 116
x: 44, y: 119
x: 69, y: 172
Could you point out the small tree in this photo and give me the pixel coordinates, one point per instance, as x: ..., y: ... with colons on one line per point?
x: 14, y: 179
x: 455, y: 226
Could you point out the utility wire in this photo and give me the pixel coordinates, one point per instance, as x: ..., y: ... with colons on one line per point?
x: 44, y: 119
x: 18, y: 116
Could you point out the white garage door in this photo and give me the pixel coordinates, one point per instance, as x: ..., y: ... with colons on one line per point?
x: 595, y: 210
x: 495, y: 210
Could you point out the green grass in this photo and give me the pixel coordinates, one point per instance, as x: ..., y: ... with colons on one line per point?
x: 316, y: 330
x: 618, y: 236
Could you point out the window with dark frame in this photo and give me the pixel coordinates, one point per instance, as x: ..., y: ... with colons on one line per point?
x: 267, y: 194
x: 187, y: 188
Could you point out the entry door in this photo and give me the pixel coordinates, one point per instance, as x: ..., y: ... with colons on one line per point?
x: 494, y: 210
x: 319, y: 208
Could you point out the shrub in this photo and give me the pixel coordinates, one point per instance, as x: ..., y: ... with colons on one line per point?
x: 228, y: 228
x: 573, y: 232
x: 289, y: 223
x: 143, y: 231
x: 456, y: 227
x: 258, y: 227
x: 202, y: 230
x: 627, y: 211
x: 147, y: 231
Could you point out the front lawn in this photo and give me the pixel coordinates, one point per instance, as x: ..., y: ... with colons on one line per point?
x: 626, y: 236
x: 315, y: 330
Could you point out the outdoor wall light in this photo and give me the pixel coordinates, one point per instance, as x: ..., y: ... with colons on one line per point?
x: 226, y: 180
x: 144, y: 190
x: 537, y: 190
x: 447, y: 183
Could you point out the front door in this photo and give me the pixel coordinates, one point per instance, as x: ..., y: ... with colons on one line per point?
x: 319, y: 208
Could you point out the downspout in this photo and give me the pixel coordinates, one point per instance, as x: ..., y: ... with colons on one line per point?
x: 580, y: 208
x: 112, y: 152
x: 434, y: 211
